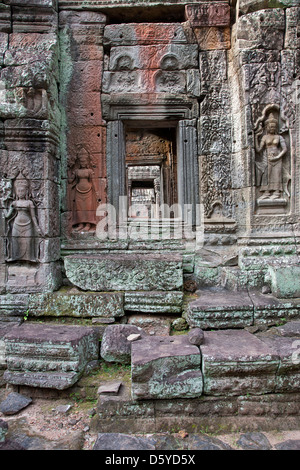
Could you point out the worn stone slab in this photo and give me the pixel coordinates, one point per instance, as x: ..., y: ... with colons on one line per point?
x: 13, y: 306
x: 110, y: 388
x: 133, y: 272
x: 261, y: 29
x: 4, y: 329
x: 153, y: 302
x: 67, y: 303
x: 155, y: 56
x: 220, y: 309
x: 208, y: 14
x: 165, y: 367
x: 116, y: 441
x: 49, y: 356
x: 254, y: 441
x: 235, y: 362
x: 250, y: 412
x: 144, y: 34
x: 152, y: 324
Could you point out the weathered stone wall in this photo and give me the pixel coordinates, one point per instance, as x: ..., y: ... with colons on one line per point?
x: 75, y: 75
x: 29, y: 159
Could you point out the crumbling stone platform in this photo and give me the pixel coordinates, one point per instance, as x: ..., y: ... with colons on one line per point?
x: 249, y: 382
x: 48, y: 356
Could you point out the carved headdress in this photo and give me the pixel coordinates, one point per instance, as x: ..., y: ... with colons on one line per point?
x: 21, y: 182
x: 271, y: 120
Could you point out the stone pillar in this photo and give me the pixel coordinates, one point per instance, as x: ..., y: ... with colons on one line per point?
x: 29, y: 157
x: 264, y: 63
x: 210, y: 23
x: 264, y: 69
x: 188, y: 179
x: 116, y: 171
x: 83, y: 129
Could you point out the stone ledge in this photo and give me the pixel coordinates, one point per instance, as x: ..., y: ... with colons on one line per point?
x: 236, y: 362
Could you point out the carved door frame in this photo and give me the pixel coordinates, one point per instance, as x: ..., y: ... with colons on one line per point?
x: 187, y: 158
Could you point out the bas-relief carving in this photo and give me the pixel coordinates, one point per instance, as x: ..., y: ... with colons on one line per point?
x: 83, y: 193
x: 22, y: 225
x: 208, y: 14
x: 215, y: 185
x: 272, y: 161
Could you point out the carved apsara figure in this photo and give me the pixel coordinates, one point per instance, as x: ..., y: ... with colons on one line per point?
x: 22, y: 223
x: 270, y: 168
x: 83, y: 194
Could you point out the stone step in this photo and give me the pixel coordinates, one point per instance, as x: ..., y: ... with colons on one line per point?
x: 235, y: 362
x: 165, y: 367
x: 221, y: 308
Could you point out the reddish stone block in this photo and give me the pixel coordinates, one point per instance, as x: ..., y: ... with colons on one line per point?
x: 208, y: 14
x: 84, y: 109
x: 92, y: 138
x: 144, y: 34
x: 213, y: 38
x: 87, y: 74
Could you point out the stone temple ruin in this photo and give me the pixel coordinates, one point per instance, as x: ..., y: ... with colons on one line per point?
x: 150, y: 186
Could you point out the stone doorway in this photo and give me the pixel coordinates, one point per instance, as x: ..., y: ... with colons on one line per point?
x: 151, y: 171
x: 154, y: 161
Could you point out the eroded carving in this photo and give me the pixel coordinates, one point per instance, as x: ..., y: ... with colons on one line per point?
x: 22, y: 225
x: 272, y: 176
x: 83, y: 194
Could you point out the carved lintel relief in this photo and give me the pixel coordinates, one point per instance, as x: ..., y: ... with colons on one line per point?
x: 208, y: 14
x: 272, y: 163
x: 22, y: 228
x: 83, y: 194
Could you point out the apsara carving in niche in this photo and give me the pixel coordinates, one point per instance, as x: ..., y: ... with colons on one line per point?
x: 272, y: 172
x: 83, y: 194
x: 22, y: 225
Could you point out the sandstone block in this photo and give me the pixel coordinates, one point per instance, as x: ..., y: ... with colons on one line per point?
x: 288, y: 350
x: 144, y: 34
x: 66, y: 303
x: 132, y: 272
x: 49, y: 356
x: 154, y: 302
x: 261, y: 29
x: 220, y: 309
x: 284, y: 281
x: 235, y: 362
x: 115, y: 346
x: 165, y: 367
